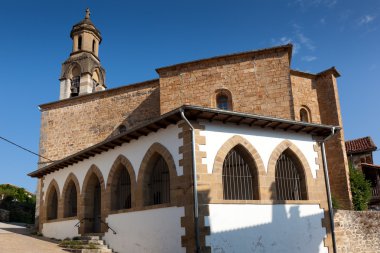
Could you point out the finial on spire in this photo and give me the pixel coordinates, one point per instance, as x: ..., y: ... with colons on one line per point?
x: 88, y: 13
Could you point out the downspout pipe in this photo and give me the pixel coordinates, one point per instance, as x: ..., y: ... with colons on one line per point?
x: 195, y: 183
x: 327, y: 183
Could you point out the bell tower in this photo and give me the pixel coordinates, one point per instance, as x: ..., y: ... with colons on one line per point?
x: 82, y: 72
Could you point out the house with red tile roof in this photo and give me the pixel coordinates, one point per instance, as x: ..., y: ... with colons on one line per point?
x: 359, y: 154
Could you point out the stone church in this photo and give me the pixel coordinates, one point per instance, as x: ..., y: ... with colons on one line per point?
x: 222, y: 154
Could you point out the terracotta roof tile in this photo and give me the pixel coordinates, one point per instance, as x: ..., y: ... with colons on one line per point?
x: 360, y: 145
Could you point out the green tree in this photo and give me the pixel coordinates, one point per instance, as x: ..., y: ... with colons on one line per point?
x: 19, y: 202
x: 360, y: 189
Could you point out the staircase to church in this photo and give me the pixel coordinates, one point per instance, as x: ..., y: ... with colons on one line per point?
x: 86, y: 244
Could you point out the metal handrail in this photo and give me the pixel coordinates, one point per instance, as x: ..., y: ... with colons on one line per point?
x: 91, y: 219
x: 80, y: 222
x: 114, y: 232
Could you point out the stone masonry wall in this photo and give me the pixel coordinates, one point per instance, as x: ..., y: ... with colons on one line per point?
x: 68, y: 126
x: 259, y: 84
x: 328, y: 100
x: 357, y: 231
x: 304, y: 92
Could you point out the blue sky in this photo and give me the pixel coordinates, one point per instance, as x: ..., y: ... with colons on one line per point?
x: 139, y: 36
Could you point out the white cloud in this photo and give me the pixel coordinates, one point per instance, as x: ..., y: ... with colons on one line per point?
x: 307, y: 42
x: 299, y: 40
x: 286, y: 40
x: 366, y: 19
x: 309, y: 58
x: 316, y: 3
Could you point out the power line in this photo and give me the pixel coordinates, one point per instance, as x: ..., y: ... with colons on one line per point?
x: 11, y: 142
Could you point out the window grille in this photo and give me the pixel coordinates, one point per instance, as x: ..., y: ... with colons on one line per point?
x: 75, y: 84
x: 288, y: 180
x: 122, y: 196
x: 222, y: 102
x: 159, y: 183
x: 237, y: 177
x: 72, y: 201
x: 53, y: 206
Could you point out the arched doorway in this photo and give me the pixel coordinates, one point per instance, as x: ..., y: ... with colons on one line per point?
x: 92, y: 205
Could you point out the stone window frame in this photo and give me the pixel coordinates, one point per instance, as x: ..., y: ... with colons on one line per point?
x: 70, y: 178
x: 305, y: 109
x: 53, y: 185
x: 299, y: 157
x: 253, y: 158
x: 123, y: 161
x: 143, y: 179
x: 223, y: 92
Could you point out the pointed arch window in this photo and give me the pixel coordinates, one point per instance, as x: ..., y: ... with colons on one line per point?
x: 121, y: 189
x: 239, y: 182
x: 290, y: 178
x: 52, y: 205
x: 70, y: 201
x: 158, y: 188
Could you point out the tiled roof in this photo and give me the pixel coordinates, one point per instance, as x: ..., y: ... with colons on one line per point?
x: 371, y: 166
x: 360, y: 145
x: 192, y: 113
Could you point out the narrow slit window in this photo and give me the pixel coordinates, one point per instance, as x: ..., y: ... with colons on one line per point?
x: 304, y: 115
x: 93, y: 46
x: 80, y: 43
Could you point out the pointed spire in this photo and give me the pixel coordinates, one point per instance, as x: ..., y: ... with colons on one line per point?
x: 88, y: 13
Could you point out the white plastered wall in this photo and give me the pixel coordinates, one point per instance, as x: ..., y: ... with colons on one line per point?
x: 263, y: 140
x: 149, y: 231
x: 61, y: 229
x: 265, y: 228
x: 133, y: 151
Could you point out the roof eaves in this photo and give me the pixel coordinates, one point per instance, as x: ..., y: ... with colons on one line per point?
x: 173, y: 117
x: 288, y: 47
x: 331, y: 70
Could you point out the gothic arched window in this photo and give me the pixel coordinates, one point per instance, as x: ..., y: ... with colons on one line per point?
x: 238, y: 174
x: 70, y: 201
x: 121, y: 197
x: 52, y: 205
x: 158, y: 188
x: 290, y: 178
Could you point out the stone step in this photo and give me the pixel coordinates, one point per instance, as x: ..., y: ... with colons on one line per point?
x: 89, y: 243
